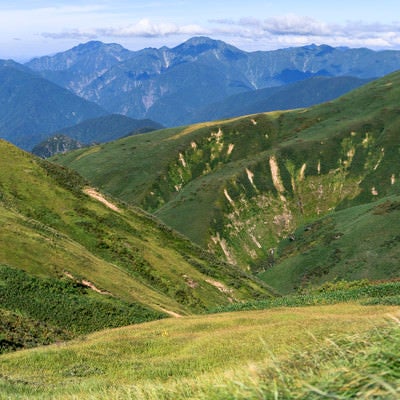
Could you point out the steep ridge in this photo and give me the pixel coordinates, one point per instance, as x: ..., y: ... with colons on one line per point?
x: 86, y: 262
x: 78, y: 67
x: 248, y: 183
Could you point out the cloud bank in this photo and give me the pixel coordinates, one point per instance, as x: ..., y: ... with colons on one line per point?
x: 275, y: 31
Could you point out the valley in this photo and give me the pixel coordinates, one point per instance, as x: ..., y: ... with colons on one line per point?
x: 256, y: 189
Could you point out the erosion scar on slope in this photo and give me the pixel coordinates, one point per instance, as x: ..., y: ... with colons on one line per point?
x: 99, y: 197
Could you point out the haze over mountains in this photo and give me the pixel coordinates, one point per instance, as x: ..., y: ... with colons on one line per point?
x: 195, y: 81
x: 32, y: 107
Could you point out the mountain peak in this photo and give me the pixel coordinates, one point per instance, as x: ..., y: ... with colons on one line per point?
x: 95, y: 45
x: 201, y: 40
x: 91, y: 44
x: 201, y: 44
x: 314, y: 46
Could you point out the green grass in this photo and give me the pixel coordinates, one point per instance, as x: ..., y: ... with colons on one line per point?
x: 364, y: 292
x: 359, y: 242
x: 19, y: 331
x: 64, y: 306
x: 340, y: 350
x: 248, y: 183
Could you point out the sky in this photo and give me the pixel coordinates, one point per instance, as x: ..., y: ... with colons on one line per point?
x: 32, y: 28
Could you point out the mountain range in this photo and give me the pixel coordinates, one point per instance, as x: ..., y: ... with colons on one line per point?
x: 32, y: 107
x: 171, y: 85
x: 304, y: 93
x: 199, y: 80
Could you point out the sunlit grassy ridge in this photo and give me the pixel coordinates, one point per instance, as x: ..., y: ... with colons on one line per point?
x: 95, y: 256
x: 342, y: 350
x: 240, y: 187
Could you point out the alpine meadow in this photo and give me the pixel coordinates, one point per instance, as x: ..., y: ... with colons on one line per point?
x: 200, y: 221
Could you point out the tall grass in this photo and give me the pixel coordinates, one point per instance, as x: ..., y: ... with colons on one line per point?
x: 342, y: 351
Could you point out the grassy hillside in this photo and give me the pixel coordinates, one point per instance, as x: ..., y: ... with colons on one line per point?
x: 355, y: 243
x: 239, y: 187
x: 87, y: 262
x: 335, y: 351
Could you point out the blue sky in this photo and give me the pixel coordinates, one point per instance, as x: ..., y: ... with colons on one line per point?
x: 40, y: 27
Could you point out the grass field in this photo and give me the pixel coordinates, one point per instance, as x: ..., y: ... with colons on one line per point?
x: 333, y: 351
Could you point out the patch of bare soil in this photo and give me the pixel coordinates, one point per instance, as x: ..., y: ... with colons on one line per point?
x: 99, y: 197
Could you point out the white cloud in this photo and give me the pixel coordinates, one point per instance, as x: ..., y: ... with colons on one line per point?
x: 294, y: 29
x: 287, y: 30
x: 147, y: 28
x: 144, y: 28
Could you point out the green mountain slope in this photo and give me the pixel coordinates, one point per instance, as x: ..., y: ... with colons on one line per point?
x: 360, y: 242
x: 89, y: 263
x: 239, y: 187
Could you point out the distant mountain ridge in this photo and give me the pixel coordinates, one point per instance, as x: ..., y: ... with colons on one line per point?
x: 108, y: 127
x: 82, y: 62
x: 169, y: 84
x: 304, y: 93
x: 32, y: 107
x: 55, y: 145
